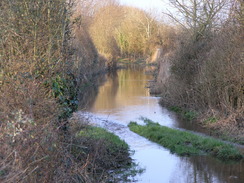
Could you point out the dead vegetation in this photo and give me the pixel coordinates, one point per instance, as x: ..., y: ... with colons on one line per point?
x: 45, y: 57
x: 31, y: 152
x: 206, y: 74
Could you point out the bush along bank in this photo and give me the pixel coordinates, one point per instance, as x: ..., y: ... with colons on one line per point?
x: 45, y: 59
x: 204, y: 71
x: 185, y: 143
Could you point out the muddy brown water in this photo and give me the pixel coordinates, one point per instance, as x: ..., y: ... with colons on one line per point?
x: 123, y: 97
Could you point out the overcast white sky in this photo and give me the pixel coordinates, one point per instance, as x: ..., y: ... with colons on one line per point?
x: 158, y: 5
x: 153, y: 6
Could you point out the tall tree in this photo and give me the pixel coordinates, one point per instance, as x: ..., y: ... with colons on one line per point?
x: 198, y: 15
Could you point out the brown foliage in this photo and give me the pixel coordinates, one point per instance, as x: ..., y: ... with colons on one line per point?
x: 105, y: 22
x: 27, y: 118
x: 127, y: 32
x: 207, y: 75
x: 39, y: 76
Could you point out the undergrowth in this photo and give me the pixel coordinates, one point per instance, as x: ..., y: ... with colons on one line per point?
x: 187, y: 114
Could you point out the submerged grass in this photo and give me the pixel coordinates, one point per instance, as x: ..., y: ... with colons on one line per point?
x: 186, y: 114
x: 185, y: 143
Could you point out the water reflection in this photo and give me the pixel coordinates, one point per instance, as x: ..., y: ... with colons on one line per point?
x: 208, y: 170
x: 123, y: 98
x: 121, y: 90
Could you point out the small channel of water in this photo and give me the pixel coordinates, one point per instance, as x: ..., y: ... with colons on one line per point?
x: 122, y: 98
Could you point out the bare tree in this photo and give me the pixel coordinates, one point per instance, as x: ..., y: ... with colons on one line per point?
x: 199, y: 16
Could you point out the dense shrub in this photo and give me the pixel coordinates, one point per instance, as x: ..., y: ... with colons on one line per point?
x: 207, y: 75
x: 41, y: 70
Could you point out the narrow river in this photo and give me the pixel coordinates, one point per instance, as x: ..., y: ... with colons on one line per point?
x: 123, y: 97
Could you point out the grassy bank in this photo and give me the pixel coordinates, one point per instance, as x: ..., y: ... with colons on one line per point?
x: 114, y: 146
x: 185, y: 143
x: 104, y: 155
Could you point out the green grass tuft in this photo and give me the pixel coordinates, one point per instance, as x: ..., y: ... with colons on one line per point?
x: 185, y: 143
x: 210, y: 120
x: 112, y: 141
x: 187, y: 114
